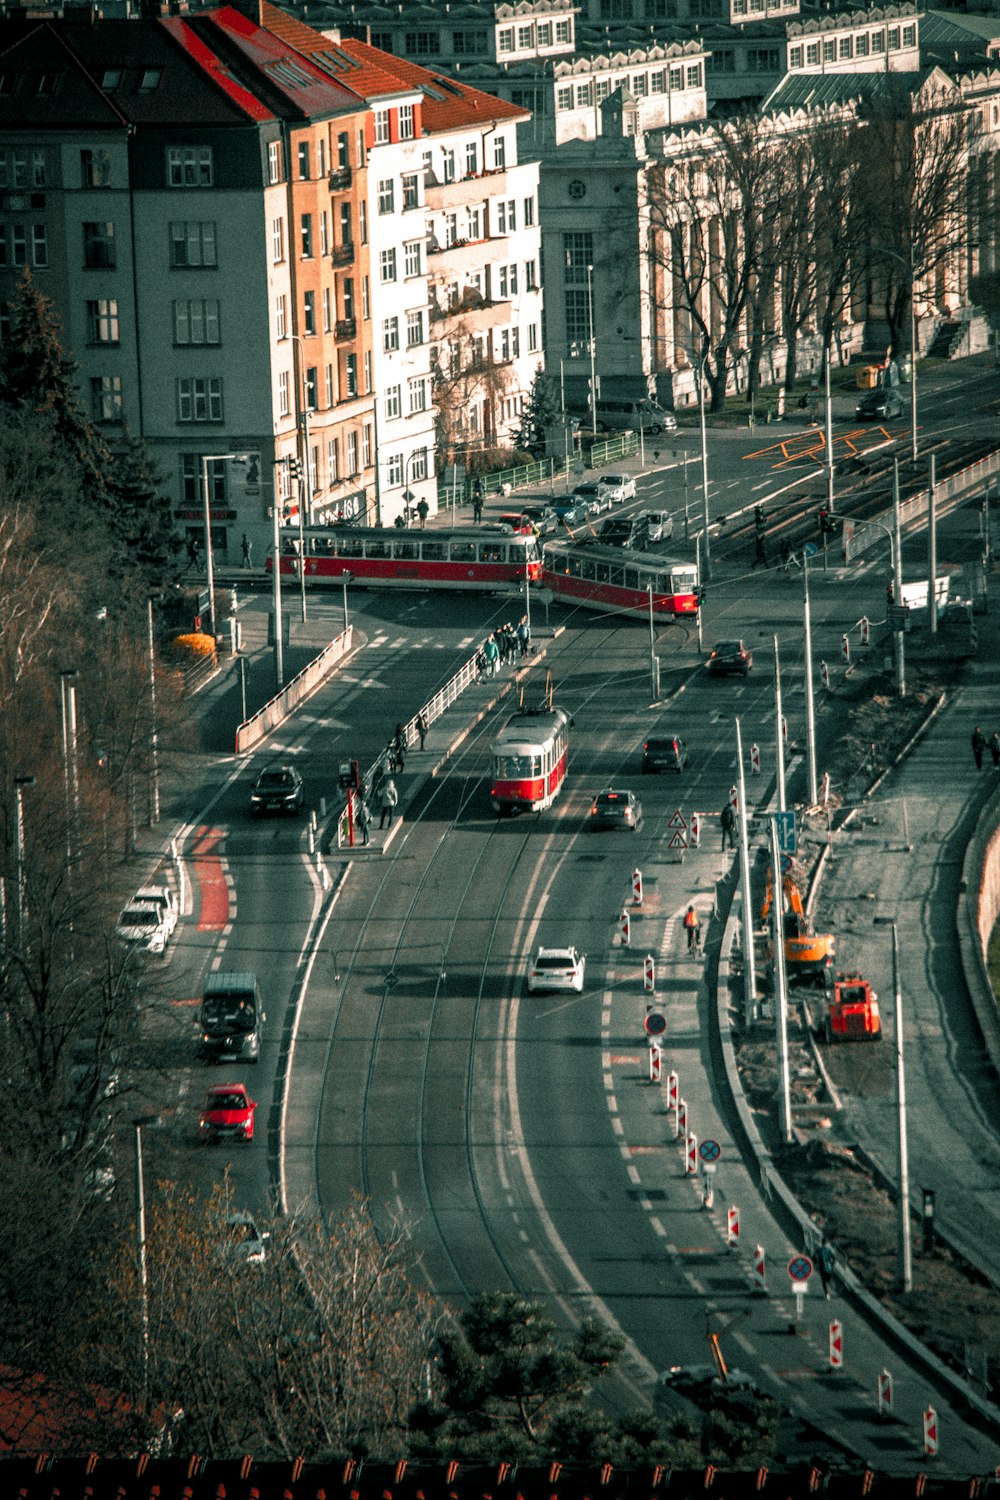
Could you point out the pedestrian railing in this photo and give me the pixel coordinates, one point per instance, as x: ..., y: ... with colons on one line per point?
x: 617, y: 447
x: 501, y: 481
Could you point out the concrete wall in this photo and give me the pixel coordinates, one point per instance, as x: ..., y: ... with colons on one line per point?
x: 274, y: 712
x: 978, y: 910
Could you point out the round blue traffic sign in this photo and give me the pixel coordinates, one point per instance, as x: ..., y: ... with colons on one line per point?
x: 800, y: 1268
x: 786, y: 863
x: 656, y: 1023
x: 710, y: 1151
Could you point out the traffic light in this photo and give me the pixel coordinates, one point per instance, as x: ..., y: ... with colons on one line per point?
x: 826, y: 521
x: 594, y: 387
x: 758, y: 517
x: 294, y: 468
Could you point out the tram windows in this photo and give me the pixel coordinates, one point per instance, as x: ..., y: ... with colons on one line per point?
x: 616, y: 576
x: 348, y: 546
x: 406, y: 551
x: 376, y: 547
x: 515, y: 767
x: 492, y: 552
x: 463, y: 552
x: 602, y: 572
x: 632, y: 579
x: 435, y: 551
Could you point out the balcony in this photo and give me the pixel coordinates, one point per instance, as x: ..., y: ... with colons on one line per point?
x: 343, y: 255
x: 340, y: 178
x: 346, y: 328
x: 460, y: 255
x: 475, y: 187
x: 472, y: 315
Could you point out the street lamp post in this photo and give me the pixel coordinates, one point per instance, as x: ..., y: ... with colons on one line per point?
x: 21, y: 784
x: 903, y: 1227
x: 749, y: 955
x: 593, y: 349
x: 206, y: 459
x: 279, y: 645
x: 779, y: 730
x: 907, y: 263
x: 707, y: 558
x: 67, y: 698
x: 154, y: 768
x: 810, y: 711
x: 305, y: 482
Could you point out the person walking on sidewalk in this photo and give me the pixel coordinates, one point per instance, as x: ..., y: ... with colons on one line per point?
x: 824, y: 1264
x: 362, y: 819
x: 727, y: 818
x: 389, y: 800
x: 492, y: 652
x: 978, y: 746
x: 421, y: 728
x: 478, y: 493
x: 247, y: 548
x: 995, y: 750
x: 759, y: 552
x: 423, y: 511
x: 524, y: 635
x: 693, y: 929
x: 400, y: 745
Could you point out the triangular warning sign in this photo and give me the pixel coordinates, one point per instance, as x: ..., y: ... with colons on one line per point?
x: 677, y: 840
x: 677, y: 820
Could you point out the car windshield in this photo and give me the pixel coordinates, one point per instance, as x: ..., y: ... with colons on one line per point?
x: 140, y: 916
x: 729, y: 648
x: 613, y: 479
x: 229, y: 1013
x: 554, y: 961
x: 225, y: 1101
x: 586, y: 491
x: 269, y: 779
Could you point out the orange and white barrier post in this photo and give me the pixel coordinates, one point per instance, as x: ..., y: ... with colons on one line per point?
x: 655, y: 1062
x: 845, y: 648
x: 824, y: 672
x: 636, y: 887
x: 826, y: 787
x: 885, y: 1394
x: 649, y: 973
x: 672, y: 1082
x: 755, y: 759
x: 625, y: 929
x: 866, y: 630
x: 691, y: 1156
x: 836, y: 1345
x: 733, y: 1226
x: 694, y: 831
x: 930, y: 1432
x: 759, y: 1269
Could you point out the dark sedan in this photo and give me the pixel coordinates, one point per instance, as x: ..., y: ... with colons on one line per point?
x: 278, y: 789
x: 730, y: 656
x: 616, y: 809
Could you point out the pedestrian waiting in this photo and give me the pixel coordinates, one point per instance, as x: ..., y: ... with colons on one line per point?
x: 388, y: 801
x: 995, y: 750
x: 978, y: 746
x: 421, y: 728
x: 727, y: 818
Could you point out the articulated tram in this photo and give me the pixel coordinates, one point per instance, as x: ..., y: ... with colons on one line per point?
x: 618, y: 581
x: 529, y: 760
x: 468, y: 558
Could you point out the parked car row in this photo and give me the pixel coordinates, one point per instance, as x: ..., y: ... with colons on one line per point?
x: 147, y: 922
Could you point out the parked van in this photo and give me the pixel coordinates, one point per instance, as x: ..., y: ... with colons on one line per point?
x: 627, y: 413
x: 232, y: 1016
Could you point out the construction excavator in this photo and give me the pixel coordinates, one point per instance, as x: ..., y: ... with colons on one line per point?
x: 808, y: 954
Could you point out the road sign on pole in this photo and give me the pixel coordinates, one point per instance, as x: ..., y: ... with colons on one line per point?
x: 655, y: 1023
x: 710, y: 1151
x: 800, y: 1268
x: 787, y: 834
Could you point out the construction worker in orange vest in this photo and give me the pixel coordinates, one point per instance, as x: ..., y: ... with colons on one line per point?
x: 693, y: 929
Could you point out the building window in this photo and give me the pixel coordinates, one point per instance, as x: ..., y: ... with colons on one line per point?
x: 564, y: 98
x: 846, y: 48
x: 525, y: 37
x: 189, y: 166
x: 352, y: 452
x: 471, y: 158
x: 308, y: 312
x: 197, y: 321
x: 386, y: 196
x: 277, y: 240
x: 469, y: 43
x: 411, y: 190
x: 893, y: 38
x: 392, y: 402
x: 640, y: 85
x: 812, y: 54
x: 306, y: 225
x: 363, y: 222
x: 676, y: 80
x: 860, y: 45
x: 321, y: 158
x: 578, y: 254
x: 368, y: 371
x: 418, y: 464
x: 366, y: 445
x: 351, y: 381
x: 830, y: 51
x: 95, y: 169
x: 510, y: 343
x: 505, y: 39
x: 447, y: 166
x: 283, y: 405
x: 346, y: 225
x: 878, y: 41
x: 343, y: 149
x: 387, y: 265
x: 577, y: 320
x: 406, y: 120
x: 658, y: 82
x: 381, y: 127
x: 394, y: 469
x: 563, y: 33
x: 99, y: 246
x: 909, y: 36
x: 532, y: 338
x: 192, y: 243
x: 199, y: 398
x: 327, y: 310
x: 584, y: 98
x: 499, y: 153
x: 366, y: 298
x: 324, y: 233
x: 418, y: 396
x: 347, y: 294
x: 473, y: 226
x: 762, y: 60
x: 414, y: 328
x: 543, y: 33
x: 102, y: 322
x: 332, y: 460
x: 794, y: 57
x: 312, y: 388
x: 304, y: 160
x: 106, y: 398
x: 413, y: 258
x: 694, y: 76
x: 274, y: 162
x: 280, y: 317
x: 530, y: 276
x: 390, y: 335
x: 508, y: 281
x: 39, y: 246
x: 328, y: 383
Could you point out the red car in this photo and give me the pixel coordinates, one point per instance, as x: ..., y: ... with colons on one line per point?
x: 228, y: 1111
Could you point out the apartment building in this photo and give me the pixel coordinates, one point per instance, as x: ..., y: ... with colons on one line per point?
x: 174, y: 167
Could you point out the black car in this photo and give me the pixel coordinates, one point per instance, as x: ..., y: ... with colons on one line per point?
x: 881, y: 402
x: 616, y: 809
x: 664, y: 753
x: 278, y: 789
x: 621, y: 532
x: 730, y: 656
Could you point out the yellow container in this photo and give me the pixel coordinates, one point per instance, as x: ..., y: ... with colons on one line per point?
x: 867, y: 377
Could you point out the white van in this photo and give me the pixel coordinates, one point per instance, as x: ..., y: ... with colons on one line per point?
x: 637, y: 414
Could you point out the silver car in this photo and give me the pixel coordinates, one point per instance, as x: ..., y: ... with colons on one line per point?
x: 659, y: 524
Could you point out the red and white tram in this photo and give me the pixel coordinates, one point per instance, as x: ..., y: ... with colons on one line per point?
x: 529, y: 760
x: 469, y: 558
x: 618, y: 581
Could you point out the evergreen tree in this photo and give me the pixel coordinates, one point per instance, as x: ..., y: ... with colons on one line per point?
x: 541, y: 412
x: 140, y: 517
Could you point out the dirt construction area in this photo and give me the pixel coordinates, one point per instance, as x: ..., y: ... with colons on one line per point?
x: 845, y: 1197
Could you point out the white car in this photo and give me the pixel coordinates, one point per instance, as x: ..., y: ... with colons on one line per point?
x: 659, y: 524
x: 619, y: 487
x: 249, y: 1244
x: 142, y: 925
x: 557, y: 969
x: 162, y: 897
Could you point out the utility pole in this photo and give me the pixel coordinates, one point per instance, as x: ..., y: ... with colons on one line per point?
x: 779, y: 730
x: 810, y: 709
x: 749, y: 955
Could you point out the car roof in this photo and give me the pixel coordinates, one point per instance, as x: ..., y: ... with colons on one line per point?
x: 556, y: 953
x: 215, y: 1089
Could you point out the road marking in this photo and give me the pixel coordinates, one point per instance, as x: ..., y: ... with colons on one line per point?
x: 213, y: 885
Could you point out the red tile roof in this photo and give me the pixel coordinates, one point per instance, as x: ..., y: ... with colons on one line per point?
x: 284, y: 72
x: 447, y: 104
x: 215, y: 68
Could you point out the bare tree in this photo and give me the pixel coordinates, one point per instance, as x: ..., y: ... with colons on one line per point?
x: 911, y: 190
x: 708, y: 208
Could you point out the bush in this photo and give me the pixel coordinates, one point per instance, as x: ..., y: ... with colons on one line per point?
x: 196, y: 643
